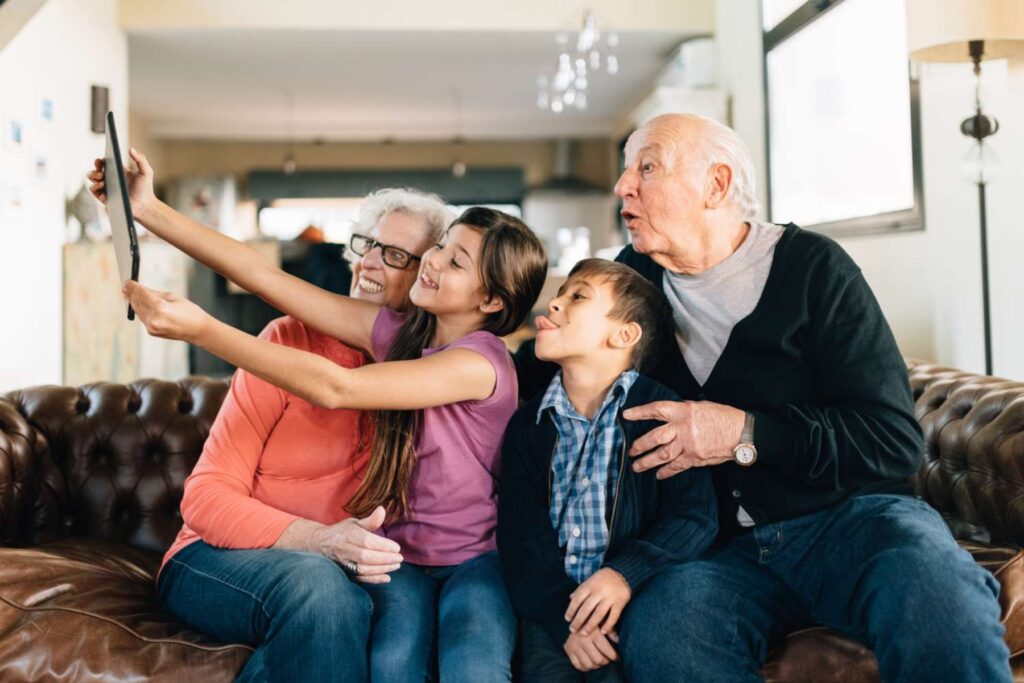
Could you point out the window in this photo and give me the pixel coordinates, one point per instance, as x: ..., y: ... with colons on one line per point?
x: 843, y: 122
x: 285, y: 219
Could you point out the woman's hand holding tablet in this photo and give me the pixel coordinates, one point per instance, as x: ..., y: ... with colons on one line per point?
x: 165, y: 314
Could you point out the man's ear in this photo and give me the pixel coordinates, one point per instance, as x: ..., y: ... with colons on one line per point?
x: 627, y: 335
x: 492, y: 305
x: 719, y: 184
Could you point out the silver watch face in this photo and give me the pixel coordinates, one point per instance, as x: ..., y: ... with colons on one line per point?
x: 745, y: 454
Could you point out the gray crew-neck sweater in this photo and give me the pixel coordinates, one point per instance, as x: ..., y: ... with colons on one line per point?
x: 708, y: 305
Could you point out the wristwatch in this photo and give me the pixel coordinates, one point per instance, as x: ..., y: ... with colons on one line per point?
x: 745, y: 453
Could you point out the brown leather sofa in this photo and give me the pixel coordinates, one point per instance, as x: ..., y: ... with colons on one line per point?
x: 91, y: 479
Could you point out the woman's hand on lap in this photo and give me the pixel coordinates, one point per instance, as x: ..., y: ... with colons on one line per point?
x: 353, y: 544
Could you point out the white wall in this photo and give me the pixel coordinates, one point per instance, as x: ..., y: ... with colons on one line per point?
x: 929, y: 282
x: 953, y: 232
x: 66, y: 47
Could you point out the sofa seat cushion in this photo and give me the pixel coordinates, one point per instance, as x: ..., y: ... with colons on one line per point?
x: 72, y: 608
x: 820, y: 654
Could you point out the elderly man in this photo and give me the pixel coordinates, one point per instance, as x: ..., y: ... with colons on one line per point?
x: 796, y: 395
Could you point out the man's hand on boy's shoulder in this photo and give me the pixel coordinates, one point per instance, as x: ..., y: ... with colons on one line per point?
x: 695, y: 434
x: 589, y: 653
x: 598, y: 602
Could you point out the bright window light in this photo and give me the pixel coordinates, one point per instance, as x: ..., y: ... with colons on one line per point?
x: 839, y: 116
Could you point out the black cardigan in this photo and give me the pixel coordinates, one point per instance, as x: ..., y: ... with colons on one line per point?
x: 653, y: 524
x: 817, y: 365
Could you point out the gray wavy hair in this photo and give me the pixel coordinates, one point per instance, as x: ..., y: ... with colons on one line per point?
x: 709, y: 144
x: 410, y: 201
x: 721, y: 145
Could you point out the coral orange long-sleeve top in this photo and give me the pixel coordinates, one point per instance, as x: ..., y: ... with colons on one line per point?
x: 272, y: 457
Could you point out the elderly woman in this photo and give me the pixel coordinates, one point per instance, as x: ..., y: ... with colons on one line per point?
x: 268, y: 554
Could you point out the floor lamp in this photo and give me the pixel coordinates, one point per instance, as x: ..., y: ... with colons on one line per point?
x: 970, y: 31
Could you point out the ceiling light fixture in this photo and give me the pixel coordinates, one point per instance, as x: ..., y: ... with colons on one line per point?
x: 459, y: 167
x: 289, y: 165
x: 567, y: 88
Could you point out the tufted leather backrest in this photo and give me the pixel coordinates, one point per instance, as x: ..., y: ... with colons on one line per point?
x: 109, y: 461
x: 106, y: 461
x: 973, y: 470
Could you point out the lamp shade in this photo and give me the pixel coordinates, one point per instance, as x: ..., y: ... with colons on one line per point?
x: 939, y: 30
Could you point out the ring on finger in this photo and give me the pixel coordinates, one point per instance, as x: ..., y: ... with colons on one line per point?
x: 353, y: 567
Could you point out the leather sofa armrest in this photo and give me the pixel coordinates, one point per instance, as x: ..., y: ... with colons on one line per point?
x: 19, y: 443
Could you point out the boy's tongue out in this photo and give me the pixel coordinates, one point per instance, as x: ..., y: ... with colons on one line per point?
x: 543, y: 323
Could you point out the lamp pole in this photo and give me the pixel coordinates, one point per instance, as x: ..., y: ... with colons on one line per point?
x: 980, y: 127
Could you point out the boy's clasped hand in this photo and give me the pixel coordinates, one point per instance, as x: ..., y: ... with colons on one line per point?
x: 593, y: 613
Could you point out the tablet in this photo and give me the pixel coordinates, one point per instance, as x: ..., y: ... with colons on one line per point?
x: 122, y: 226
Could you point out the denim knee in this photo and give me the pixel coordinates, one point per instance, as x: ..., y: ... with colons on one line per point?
x: 944, y: 591
x: 931, y: 609
x: 656, y: 610
x: 318, y: 590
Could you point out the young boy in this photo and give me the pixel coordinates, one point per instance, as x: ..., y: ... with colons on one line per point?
x: 579, y: 532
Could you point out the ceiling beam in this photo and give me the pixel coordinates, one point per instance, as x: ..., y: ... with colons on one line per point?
x: 685, y: 16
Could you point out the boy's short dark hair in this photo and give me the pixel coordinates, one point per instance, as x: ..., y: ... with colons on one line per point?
x: 636, y: 300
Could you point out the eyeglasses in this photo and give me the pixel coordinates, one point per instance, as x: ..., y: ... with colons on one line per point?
x: 393, y: 256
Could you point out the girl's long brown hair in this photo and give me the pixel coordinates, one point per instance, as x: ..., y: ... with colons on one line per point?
x: 513, y: 266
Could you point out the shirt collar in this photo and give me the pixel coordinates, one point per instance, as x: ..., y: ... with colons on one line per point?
x: 557, y: 401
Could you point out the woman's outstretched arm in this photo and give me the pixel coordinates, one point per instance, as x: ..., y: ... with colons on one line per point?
x: 446, y: 377
x: 336, y: 315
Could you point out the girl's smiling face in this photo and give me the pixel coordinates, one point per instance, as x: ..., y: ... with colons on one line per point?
x: 449, y: 277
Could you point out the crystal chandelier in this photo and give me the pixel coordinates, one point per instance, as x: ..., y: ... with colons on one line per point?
x: 567, y: 88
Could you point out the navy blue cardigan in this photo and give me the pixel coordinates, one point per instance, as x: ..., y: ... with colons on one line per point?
x: 653, y: 524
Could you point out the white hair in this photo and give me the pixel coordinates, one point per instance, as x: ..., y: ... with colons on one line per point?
x: 409, y: 201
x: 716, y: 144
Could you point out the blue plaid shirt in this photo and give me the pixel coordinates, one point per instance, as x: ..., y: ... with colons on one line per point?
x: 585, y: 470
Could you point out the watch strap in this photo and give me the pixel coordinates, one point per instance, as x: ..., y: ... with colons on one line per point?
x: 747, y: 435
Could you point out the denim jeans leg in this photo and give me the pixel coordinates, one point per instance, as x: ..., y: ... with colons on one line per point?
x: 886, y: 570
x: 476, y: 623
x: 307, y: 620
x: 404, y: 615
x: 708, y: 620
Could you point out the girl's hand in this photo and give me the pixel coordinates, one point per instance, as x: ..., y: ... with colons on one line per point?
x: 353, y: 544
x: 598, y: 601
x: 165, y: 314
x: 138, y: 176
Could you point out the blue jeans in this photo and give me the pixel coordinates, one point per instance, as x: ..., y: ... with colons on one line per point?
x: 306, y: 619
x: 881, y: 569
x: 464, y: 608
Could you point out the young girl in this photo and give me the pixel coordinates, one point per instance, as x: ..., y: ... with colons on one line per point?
x: 443, y: 405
